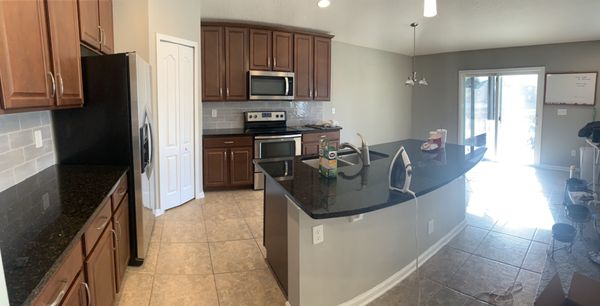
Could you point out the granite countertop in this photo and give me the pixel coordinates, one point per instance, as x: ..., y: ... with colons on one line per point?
x: 43, y: 217
x: 359, y: 189
x: 243, y: 132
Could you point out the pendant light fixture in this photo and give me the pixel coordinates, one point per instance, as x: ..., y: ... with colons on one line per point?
x: 430, y: 8
x: 412, y: 79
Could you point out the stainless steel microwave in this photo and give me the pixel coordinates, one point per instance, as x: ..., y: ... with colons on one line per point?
x: 271, y: 85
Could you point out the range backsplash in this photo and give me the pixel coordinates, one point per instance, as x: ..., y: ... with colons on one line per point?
x: 230, y: 114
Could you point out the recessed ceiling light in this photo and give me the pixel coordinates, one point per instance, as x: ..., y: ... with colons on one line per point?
x: 323, y: 3
x: 430, y: 8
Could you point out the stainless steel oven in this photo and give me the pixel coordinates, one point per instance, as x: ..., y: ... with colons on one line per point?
x: 271, y: 85
x: 275, y: 149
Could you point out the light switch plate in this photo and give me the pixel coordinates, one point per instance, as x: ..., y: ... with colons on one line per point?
x: 37, y: 135
x: 333, y: 110
x: 430, y: 227
x: 561, y: 112
x: 318, y: 236
x: 214, y: 113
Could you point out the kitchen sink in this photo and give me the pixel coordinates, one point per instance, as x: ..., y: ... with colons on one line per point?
x: 347, y: 158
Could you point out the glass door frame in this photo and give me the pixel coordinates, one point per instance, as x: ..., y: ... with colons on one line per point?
x: 540, y: 71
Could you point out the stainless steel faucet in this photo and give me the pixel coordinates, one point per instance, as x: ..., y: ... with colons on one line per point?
x: 363, y: 152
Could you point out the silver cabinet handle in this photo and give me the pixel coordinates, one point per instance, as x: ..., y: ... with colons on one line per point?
x: 61, y: 293
x: 269, y: 62
x: 225, y: 154
x: 274, y: 61
x: 59, y: 80
x: 87, y: 293
x: 286, y: 169
x: 103, y: 225
x: 220, y: 91
x: 118, y: 224
x: 287, y: 86
x: 228, y: 91
x: 316, y: 93
x: 100, y: 30
x: 310, y: 92
x: 116, y: 238
x: 228, y: 142
x: 232, y: 153
x: 53, y: 83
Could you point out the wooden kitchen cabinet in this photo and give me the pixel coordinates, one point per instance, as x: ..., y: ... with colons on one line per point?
x: 311, y: 141
x: 228, y: 162
x: 236, y: 63
x: 322, y: 69
x: 100, y: 269
x: 122, y: 251
x: 303, y: 63
x: 271, y: 50
x: 78, y: 295
x: 96, y: 24
x: 213, y: 63
x: 40, y: 60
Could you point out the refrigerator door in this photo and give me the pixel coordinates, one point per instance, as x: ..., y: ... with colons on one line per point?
x: 143, y: 175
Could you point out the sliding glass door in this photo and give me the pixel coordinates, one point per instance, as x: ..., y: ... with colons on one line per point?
x: 501, y: 110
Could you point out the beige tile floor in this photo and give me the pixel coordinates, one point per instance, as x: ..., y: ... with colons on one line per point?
x: 206, y: 252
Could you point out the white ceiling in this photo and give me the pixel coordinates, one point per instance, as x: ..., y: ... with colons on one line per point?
x: 459, y: 25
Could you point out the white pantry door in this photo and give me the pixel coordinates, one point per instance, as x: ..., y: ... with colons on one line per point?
x: 175, y: 86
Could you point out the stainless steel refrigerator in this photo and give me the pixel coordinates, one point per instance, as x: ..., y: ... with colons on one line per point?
x: 114, y: 127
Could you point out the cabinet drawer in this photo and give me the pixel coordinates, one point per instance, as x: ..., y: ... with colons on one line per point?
x: 59, y: 283
x: 316, y: 137
x: 97, y: 226
x: 226, y: 142
x: 119, y: 193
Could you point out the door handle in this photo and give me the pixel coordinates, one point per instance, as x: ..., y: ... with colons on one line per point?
x: 228, y: 91
x: 287, y: 86
x: 87, y: 293
x: 232, y: 153
x: 286, y: 169
x: 100, y: 31
x: 61, y: 84
x: 103, y: 225
x: 269, y: 62
x: 116, y: 238
x: 61, y: 293
x: 274, y: 61
x: 53, y: 84
x: 220, y: 91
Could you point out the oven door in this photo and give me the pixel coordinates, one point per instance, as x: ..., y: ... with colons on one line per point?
x: 269, y: 85
x: 277, y: 146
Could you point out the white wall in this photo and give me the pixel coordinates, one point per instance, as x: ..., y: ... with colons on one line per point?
x: 130, y: 18
x: 368, y: 93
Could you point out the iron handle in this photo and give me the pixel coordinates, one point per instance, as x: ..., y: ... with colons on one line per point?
x: 61, y: 293
x: 228, y: 142
x: 103, y: 225
x: 53, y: 84
x: 59, y: 80
x: 87, y: 293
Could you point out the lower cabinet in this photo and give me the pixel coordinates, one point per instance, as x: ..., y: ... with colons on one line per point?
x: 228, y: 162
x: 100, y: 269
x: 122, y: 252
x: 311, y: 141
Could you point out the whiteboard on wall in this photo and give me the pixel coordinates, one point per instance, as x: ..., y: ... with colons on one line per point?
x: 571, y: 88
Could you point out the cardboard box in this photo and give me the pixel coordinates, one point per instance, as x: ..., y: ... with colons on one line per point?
x: 584, y: 291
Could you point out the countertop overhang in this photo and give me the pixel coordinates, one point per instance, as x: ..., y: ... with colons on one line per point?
x: 359, y: 189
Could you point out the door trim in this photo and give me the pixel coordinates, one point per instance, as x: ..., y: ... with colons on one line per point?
x: 199, y: 193
x: 539, y: 113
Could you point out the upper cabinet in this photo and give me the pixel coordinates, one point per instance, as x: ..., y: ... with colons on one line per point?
x: 230, y: 51
x: 271, y: 50
x: 40, y: 64
x: 96, y: 24
x: 224, y: 63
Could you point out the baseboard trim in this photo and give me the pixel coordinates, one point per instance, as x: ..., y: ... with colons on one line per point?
x: 158, y: 212
x: 381, y: 288
x: 200, y: 195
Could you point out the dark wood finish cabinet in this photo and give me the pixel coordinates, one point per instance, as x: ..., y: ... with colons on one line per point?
x: 311, y: 141
x: 236, y: 63
x: 260, y: 49
x: 40, y: 63
x: 121, y: 228
x: 322, y: 69
x: 303, y: 64
x: 96, y: 24
x: 78, y: 294
x: 275, y: 232
x: 227, y: 162
x: 283, y: 51
x: 213, y: 63
x: 100, y: 269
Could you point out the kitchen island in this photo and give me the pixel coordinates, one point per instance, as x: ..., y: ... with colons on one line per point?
x: 369, y: 239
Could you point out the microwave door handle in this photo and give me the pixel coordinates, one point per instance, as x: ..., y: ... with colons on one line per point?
x: 286, y: 168
x: 287, y: 86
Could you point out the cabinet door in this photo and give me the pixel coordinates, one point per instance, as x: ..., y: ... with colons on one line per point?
x: 260, y: 49
x: 121, y: 219
x: 310, y: 148
x: 78, y: 294
x: 100, y: 267
x: 89, y: 23
x: 240, y: 166
x: 322, y: 68
x: 236, y: 63
x: 25, y: 63
x: 213, y: 64
x: 105, y: 15
x: 215, y: 167
x: 303, y: 63
x: 64, y: 40
x: 283, y: 51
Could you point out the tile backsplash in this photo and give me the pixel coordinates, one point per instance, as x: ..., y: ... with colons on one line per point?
x: 231, y: 114
x: 19, y: 158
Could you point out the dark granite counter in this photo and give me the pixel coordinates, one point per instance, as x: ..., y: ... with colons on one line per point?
x: 43, y: 217
x: 242, y: 132
x: 360, y: 189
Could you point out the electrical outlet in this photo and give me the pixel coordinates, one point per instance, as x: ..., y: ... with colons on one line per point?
x: 318, y: 235
x: 214, y: 113
x: 37, y: 135
x: 333, y: 110
x: 573, y: 153
x: 561, y: 112
x: 430, y: 227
